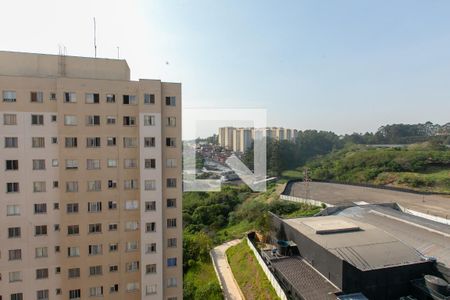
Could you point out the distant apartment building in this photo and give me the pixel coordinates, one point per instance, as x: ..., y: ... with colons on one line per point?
x: 241, y: 139
x: 91, y: 181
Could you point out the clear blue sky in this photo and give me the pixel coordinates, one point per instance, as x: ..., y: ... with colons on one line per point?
x: 336, y: 65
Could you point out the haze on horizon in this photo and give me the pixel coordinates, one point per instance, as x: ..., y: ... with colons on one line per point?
x: 345, y: 66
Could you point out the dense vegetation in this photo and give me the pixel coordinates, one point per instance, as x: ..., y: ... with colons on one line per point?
x: 422, y: 167
x: 249, y: 274
x: 215, y: 217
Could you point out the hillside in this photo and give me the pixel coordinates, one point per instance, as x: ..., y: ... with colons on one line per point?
x: 418, y: 167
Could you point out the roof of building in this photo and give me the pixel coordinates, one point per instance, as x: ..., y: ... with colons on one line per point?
x: 48, y: 65
x: 308, y: 283
x: 365, y: 248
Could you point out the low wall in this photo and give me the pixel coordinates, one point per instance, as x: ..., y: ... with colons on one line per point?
x: 303, y: 200
x: 266, y: 270
x: 423, y: 215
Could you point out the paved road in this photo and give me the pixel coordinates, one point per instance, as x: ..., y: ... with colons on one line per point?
x: 231, y: 290
x: 437, y: 205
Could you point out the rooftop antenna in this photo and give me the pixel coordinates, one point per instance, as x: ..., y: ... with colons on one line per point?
x: 95, y: 38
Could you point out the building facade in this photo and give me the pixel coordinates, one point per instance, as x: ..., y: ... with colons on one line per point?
x: 91, y: 192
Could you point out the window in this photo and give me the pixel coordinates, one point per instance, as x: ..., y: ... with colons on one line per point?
x: 150, y: 163
x: 55, y: 163
x: 132, y: 246
x: 150, y: 269
x: 40, y: 230
x: 93, y: 142
x: 150, y: 205
x: 9, y: 96
x: 39, y: 186
x: 172, y: 282
x: 130, y: 163
x: 93, y: 120
x: 170, y: 142
x: 129, y: 121
x: 112, y: 184
x: 73, y: 272
x: 93, y: 164
x: 132, y: 266
x: 12, y: 187
x: 75, y: 294
x: 131, y: 204
x: 40, y: 208
x: 132, y: 286
x: 17, y: 296
x: 112, y: 204
x: 129, y: 99
x: 54, y: 118
x: 111, y: 163
x: 14, y: 232
x: 42, y: 295
x: 15, y: 254
x: 111, y: 141
x: 131, y: 184
x: 9, y: 119
x: 37, y: 119
x: 171, y: 223
x: 95, y: 228
x: 41, y: 273
x: 172, y: 262
x: 71, y: 164
x: 113, y: 247
x: 150, y: 227
x: 149, y: 99
x: 172, y: 243
x: 171, y: 182
x: 41, y: 252
x: 54, y: 140
x: 150, y: 185
x: 38, y: 164
x: 96, y: 291
x: 171, y: 202
x: 37, y: 97
x: 131, y: 225
x: 95, y: 249
x: 71, y: 142
x: 171, y: 163
x: 112, y: 227
x: 171, y: 121
x: 15, y: 276
x: 114, y: 288
x: 113, y: 268
x: 70, y: 97
x: 95, y: 206
x: 110, y: 120
x: 150, y: 248
x: 129, y: 142
x: 11, y: 142
x: 150, y: 289
x: 95, y: 270
x: 13, y: 210
x: 37, y: 142
x: 171, y: 101
x: 149, y: 120
x: 11, y: 165
x: 72, y: 186
x: 92, y: 98
x: 94, y: 186
x: 149, y: 142
x: 73, y: 230
x: 53, y: 96
x: 70, y: 120
x: 110, y: 98
x: 72, y: 208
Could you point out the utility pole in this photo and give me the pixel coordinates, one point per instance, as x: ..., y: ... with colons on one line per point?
x: 306, y: 181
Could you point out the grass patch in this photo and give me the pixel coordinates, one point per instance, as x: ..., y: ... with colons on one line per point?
x: 200, y: 282
x: 291, y: 174
x: 235, y: 231
x: 249, y: 274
